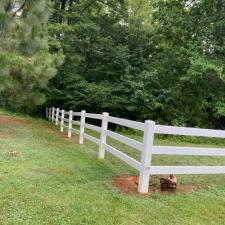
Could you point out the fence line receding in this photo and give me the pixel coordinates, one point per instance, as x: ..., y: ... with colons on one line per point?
x: 146, y: 147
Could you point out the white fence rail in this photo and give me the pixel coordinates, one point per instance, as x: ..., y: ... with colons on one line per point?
x: 146, y: 148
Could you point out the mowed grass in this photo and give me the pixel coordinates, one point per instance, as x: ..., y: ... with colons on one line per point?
x: 54, y: 180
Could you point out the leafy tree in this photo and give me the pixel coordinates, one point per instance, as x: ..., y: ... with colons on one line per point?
x: 25, y: 62
x: 189, y: 59
x: 138, y: 59
x: 106, y: 59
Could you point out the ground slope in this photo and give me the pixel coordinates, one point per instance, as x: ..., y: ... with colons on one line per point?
x: 47, y: 179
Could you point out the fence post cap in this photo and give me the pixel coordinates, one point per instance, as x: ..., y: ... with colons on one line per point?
x: 105, y: 114
x: 149, y: 122
x: 83, y: 111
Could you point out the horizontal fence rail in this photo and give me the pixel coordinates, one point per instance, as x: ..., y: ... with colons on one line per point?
x: 92, y: 127
x: 186, y: 169
x: 160, y: 129
x: 66, y: 120
x: 127, y: 123
x: 130, y: 161
x: 172, y: 150
x: 92, y: 139
x: 93, y: 116
x: 125, y: 140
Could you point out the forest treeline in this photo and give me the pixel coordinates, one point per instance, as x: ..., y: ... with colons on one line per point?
x: 139, y: 59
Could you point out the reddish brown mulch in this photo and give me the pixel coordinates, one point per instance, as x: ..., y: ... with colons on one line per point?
x: 129, y: 185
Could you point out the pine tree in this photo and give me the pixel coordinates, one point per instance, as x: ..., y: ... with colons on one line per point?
x: 26, y: 65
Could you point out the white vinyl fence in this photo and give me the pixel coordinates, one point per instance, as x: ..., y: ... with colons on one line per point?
x: 146, y: 148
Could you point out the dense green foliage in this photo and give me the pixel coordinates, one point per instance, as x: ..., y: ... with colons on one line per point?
x: 190, y: 48
x: 143, y: 59
x: 139, y: 59
x: 25, y: 62
x: 106, y: 66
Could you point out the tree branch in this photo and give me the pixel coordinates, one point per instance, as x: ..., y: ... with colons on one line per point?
x: 87, y: 6
x: 20, y: 8
x: 190, y: 3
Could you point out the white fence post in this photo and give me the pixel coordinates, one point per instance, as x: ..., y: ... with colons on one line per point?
x: 57, y: 116
x: 62, y: 121
x: 146, y: 156
x: 50, y: 114
x: 101, y: 153
x: 70, y: 123
x: 82, y: 123
x: 53, y: 113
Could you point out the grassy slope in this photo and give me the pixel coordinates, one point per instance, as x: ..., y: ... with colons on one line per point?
x: 55, y: 181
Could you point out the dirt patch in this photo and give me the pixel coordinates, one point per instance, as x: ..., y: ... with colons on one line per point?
x: 6, y: 134
x: 11, y: 119
x: 10, y: 154
x: 13, y: 153
x: 49, y: 130
x: 126, y: 184
x: 73, y: 139
x: 63, y: 135
x: 129, y: 185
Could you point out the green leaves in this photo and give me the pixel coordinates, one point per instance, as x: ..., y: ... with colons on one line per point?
x: 160, y: 60
x: 107, y: 56
x: 25, y: 62
x: 190, y: 48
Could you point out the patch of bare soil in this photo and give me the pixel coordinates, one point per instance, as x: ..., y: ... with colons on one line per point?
x: 6, y: 134
x: 63, y: 135
x: 10, y: 153
x: 72, y: 139
x: 50, y: 130
x: 11, y: 119
x: 129, y: 185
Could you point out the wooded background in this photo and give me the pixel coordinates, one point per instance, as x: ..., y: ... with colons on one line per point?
x: 138, y: 59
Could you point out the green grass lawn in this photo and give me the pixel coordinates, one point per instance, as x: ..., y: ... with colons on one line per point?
x: 54, y: 180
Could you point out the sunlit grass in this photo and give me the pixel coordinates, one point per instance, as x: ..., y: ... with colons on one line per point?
x: 54, y: 180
